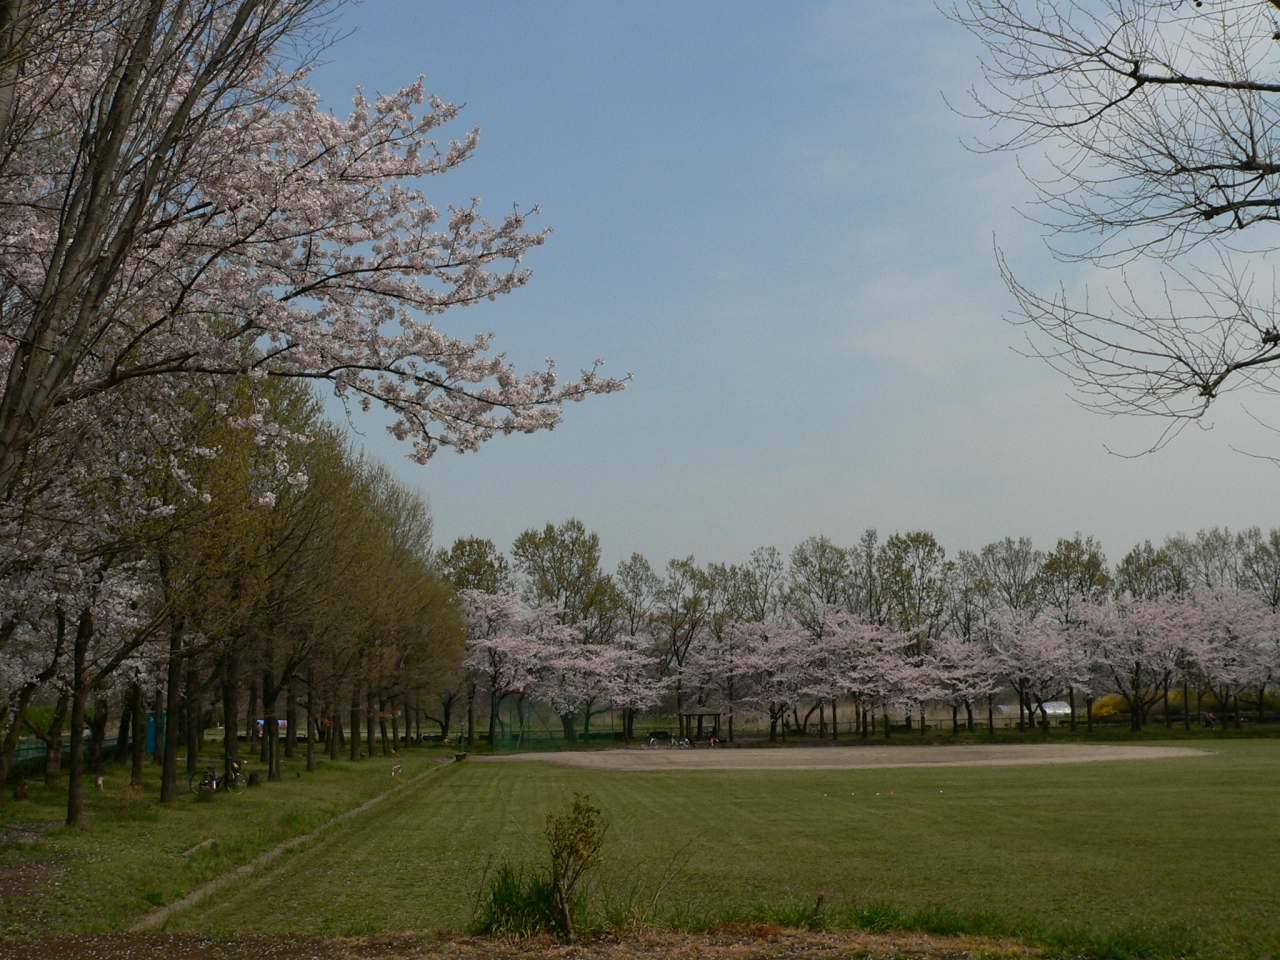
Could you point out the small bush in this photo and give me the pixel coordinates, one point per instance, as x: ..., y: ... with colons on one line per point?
x: 519, y: 902
x: 575, y: 839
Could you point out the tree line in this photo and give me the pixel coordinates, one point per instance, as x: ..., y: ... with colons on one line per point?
x: 880, y: 626
x: 250, y: 592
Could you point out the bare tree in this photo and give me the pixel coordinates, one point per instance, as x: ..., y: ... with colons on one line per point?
x: 1160, y: 129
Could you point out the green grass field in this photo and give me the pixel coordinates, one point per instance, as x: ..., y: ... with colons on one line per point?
x: 1120, y: 859
x: 129, y: 859
x: 1154, y: 856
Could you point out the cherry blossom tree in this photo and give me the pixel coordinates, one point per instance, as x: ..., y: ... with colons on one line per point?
x: 208, y: 219
x: 1134, y: 643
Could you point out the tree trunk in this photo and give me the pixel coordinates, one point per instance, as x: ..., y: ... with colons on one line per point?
x: 251, y: 714
x: 835, y: 723
x: 14, y: 734
x: 1167, y: 722
x: 194, y: 730
x: 923, y: 726
x: 955, y: 719
x: 53, y: 743
x: 369, y: 722
x: 98, y: 732
x: 139, y: 744
x: 230, y: 714
x: 968, y: 710
x: 80, y: 686
x: 382, y: 725
x: 991, y: 716
x: 126, y: 726
x: 1262, y: 701
x: 887, y: 729
x: 271, y: 691
x: 290, y: 720
x: 355, y: 721
x: 1186, y: 707
x: 1088, y: 714
x: 469, y: 736
x: 1071, y: 693
x: 157, y: 704
x: 173, y: 702
x: 311, y: 723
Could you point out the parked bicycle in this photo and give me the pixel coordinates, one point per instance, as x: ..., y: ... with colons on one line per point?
x: 208, y: 781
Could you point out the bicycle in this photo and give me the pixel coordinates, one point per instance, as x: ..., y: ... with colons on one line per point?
x: 207, y: 781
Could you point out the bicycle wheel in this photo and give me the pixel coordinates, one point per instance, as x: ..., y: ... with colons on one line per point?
x: 238, y: 784
x: 196, y: 781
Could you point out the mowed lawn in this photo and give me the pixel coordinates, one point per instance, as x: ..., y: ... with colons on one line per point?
x: 1190, y: 844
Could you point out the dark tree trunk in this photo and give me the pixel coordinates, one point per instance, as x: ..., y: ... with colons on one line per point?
x: 1186, y: 707
x: 369, y: 723
x: 251, y: 715
x: 271, y: 719
x: 139, y: 744
x: 195, y: 733
x: 126, y: 726
x: 53, y: 743
x: 991, y: 716
x: 1088, y: 714
x: 290, y: 720
x: 13, y: 734
x: 311, y: 723
x: 968, y: 709
x: 887, y: 728
x: 382, y: 726
x: 835, y: 723
x: 79, y: 702
x: 158, y: 708
x: 355, y: 722
x: 469, y: 736
x: 173, y: 703
x: 230, y: 714
x: 955, y: 719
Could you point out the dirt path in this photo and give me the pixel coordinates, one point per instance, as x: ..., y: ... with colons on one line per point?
x: 762, y: 943
x: 851, y: 757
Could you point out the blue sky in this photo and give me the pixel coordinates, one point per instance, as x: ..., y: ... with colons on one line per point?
x: 767, y: 213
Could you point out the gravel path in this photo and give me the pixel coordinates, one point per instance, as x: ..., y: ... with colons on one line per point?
x: 850, y: 757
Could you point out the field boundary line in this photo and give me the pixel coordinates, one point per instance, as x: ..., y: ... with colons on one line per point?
x: 156, y: 917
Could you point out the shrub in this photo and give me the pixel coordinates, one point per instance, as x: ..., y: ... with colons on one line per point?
x: 575, y: 839
x: 518, y: 903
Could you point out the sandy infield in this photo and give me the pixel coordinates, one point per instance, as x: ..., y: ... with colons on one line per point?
x: 850, y: 757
